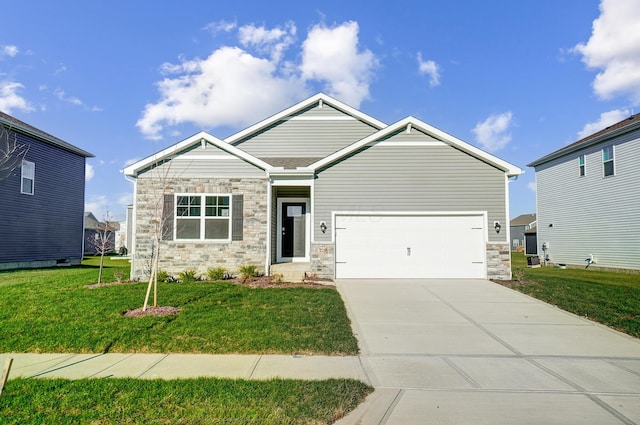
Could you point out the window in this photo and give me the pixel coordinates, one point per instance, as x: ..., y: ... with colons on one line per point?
x: 28, y: 177
x: 203, y: 217
x: 607, y: 161
x: 581, y: 165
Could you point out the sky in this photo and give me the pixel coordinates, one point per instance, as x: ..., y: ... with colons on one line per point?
x: 125, y: 79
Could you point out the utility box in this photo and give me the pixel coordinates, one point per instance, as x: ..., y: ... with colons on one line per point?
x: 533, y: 261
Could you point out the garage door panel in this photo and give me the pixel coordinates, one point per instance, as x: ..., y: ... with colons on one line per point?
x: 410, y: 246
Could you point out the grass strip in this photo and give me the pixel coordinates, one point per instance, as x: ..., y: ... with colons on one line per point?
x: 187, y: 401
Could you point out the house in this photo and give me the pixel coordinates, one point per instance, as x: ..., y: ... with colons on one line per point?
x: 95, y: 231
x: 331, y: 190
x: 41, y: 214
x: 588, y: 199
x: 519, y: 226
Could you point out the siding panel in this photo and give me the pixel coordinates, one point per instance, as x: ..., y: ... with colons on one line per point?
x: 410, y: 178
x: 316, y: 132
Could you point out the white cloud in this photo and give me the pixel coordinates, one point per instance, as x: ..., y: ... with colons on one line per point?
x: 614, y: 49
x: 230, y: 87
x: 220, y: 26
x: 606, y: 119
x: 88, y: 172
x: 60, y: 94
x: 429, y: 68
x: 493, y: 133
x: 10, y: 99
x: 9, y: 50
x: 238, y: 86
x: 272, y: 41
x: 532, y: 186
x: 98, y: 205
x: 332, y: 55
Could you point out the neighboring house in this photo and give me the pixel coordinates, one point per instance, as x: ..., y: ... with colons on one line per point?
x: 519, y: 225
x: 93, y: 231
x: 41, y: 213
x: 588, y: 199
x: 325, y: 185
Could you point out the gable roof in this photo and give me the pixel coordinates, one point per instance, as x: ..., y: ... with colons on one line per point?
x: 313, y: 100
x: 15, y: 124
x: 624, y: 126
x: 133, y: 169
x: 523, y: 220
x: 509, y: 169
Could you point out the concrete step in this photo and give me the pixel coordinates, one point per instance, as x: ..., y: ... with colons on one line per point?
x: 291, y: 272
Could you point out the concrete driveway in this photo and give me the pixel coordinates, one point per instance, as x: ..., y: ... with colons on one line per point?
x: 475, y: 352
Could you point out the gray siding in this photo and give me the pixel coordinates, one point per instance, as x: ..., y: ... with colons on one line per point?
x: 206, y: 162
x: 396, y: 177
x: 592, y: 214
x: 316, y: 132
x: 48, y: 225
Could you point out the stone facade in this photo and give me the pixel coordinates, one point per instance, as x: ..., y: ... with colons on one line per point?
x: 323, y: 259
x: 177, y: 256
x: 498, y: 261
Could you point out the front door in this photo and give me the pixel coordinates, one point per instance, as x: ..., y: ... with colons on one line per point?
x: 293, y: 228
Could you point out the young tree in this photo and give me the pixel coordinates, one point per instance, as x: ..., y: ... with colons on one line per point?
x: 103, y: 241
x: 11, y: 152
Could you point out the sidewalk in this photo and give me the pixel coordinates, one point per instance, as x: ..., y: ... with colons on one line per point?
x: 174, y: 366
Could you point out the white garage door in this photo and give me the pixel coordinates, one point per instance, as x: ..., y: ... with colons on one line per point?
x: 396, y: 246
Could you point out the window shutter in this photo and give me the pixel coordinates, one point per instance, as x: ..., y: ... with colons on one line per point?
x: 167, y: 218
x: 237, y: 205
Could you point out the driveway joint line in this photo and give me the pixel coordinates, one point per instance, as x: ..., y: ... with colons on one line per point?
x: 626, y: 369
x: 392, y: 406
x: 615, y: 413
x: 252, y: 369
x: 461, y: 372
x: 66, y: 366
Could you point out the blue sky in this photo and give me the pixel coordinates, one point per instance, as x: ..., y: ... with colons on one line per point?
x: 123, y: 79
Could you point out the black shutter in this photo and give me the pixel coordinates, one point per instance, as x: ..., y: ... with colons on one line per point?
x: 167, y: 218
x: 237, y: 205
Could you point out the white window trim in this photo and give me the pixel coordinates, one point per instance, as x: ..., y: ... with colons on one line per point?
x: 583, y: 165
x: 612, y: 160
x: 32, y: 177
x: 202, y: 217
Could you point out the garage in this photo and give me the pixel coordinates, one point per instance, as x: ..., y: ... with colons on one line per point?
x: 410, y: 246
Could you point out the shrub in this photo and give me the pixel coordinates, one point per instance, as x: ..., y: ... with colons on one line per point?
x: 189, y: 275
x: 163, y: 276
x: 218, y: 273
x: 248, y: 272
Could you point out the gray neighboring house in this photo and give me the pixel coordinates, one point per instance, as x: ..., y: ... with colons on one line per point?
x: 588, y: 199
x: 93, y: 228
x: 331, y: 190
x: 519, y: 226
x: 41, y: 213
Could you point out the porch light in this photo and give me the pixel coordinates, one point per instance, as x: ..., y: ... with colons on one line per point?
x: 497, y: 226
x: 323, y: 226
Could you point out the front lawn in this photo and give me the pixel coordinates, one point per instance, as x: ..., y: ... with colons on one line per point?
x: 611, y: 298
x: 52, y: 310
x: 193, y: 401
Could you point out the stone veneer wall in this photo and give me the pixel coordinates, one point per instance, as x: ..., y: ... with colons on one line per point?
x: 498, y: 261
x: 177, y: 256
x: 323, y: 260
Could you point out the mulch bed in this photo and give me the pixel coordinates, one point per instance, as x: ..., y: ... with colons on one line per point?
x: 268, y: 282
x: 103, y: 284
x: 152, y: 311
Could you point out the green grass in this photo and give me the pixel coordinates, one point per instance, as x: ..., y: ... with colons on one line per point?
x: 51, y: 310
x: 607, y: 297
x: 194, y: 401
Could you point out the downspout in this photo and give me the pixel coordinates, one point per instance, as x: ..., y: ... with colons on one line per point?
x: 267, y: 261
x: 133, y: 226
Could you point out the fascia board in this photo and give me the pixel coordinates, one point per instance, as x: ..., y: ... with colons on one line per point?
x: 300, y: 106
x: 133, y: 169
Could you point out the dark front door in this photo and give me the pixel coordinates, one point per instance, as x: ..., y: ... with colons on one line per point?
x: 293, y: 229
